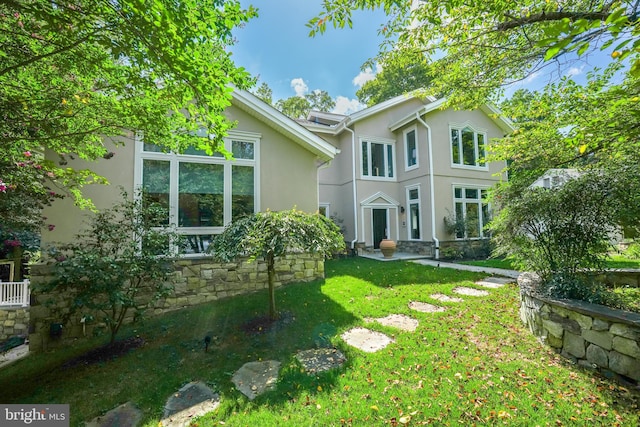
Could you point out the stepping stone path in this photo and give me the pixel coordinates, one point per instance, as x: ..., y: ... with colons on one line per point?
x: 425, y: 307
x: 366, y: 339
x: 494, y: 282
x: 471, y: 292
x: 126, y: 415
x: 193, y: 400
x: 445, y: 298
x: 255, y: 378
x: 320, y: 360
x: 399, y: 321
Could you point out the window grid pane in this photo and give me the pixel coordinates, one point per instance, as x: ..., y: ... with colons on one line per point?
x: 242, y: 192
x: 156, y: 182
x: 412, y: 159
x: 200, y: 195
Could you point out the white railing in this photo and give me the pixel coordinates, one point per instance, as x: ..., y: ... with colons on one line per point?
x: 14, y: 294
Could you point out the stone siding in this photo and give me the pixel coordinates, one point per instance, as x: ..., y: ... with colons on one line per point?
x: 197, y: 281
x: 591, y: 335
x: 416, y: 247
x: 14, y: 322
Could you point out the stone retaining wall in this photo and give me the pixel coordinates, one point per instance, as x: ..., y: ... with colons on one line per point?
x: 14, y: 322
x: 197, y: 280
x: 591, y: 335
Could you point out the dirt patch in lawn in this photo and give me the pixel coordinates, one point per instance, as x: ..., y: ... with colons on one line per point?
x: 106, y: 352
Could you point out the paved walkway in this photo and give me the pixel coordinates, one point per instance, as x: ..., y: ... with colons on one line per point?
x: 424, y: 260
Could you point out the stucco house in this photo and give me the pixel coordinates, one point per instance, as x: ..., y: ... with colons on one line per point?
x: 275, y: 167
x: 406, y: 164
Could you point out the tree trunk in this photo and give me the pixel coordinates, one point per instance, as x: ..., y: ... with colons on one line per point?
x: 271, y: 270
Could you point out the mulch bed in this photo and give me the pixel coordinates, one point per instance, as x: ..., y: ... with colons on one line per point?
x: 262, y: 324
x: 106, y: 352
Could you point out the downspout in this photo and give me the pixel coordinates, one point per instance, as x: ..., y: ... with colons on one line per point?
x: 353, y: 180
x: 431, y: 188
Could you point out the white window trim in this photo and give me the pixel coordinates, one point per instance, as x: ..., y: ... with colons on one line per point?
x: 408, y: 167
x: 174, y: 159
x: 327, y: 208
x: 378, y: 140
x: 464, y: 199
x: 476, y: 130
x: 408, y: 211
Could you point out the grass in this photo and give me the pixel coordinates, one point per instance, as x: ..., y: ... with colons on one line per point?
x: 614, y: 261
x: 473, y: 364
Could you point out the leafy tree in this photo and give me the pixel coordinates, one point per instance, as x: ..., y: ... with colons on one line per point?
x: 75, y: 72
x: 400, y: 74
x: 474, y: 49
x: 269, y: 235
x: 320, y: 100
x: 265, y: 93
x: 118, y: 264
x: 296, y: 107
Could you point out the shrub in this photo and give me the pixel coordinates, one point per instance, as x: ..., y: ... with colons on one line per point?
x: 561, y: 230
x: 118, y: 264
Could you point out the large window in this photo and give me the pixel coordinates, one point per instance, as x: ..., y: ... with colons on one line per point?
x: 202, y: 193
x: 471, y: 207
x: 413, y: 202
x: 468, y: 147
x: 377, y: 159
x: 411, y: 148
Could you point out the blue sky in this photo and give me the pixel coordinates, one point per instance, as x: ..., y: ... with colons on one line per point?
x: 276, y: 47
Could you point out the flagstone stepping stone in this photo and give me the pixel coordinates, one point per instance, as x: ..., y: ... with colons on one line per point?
x: 399, y: 321
x: 425, y: 307
x: 445, y: 298
x: 255, y: 378
x: 125, y: 415
x: 494, y: 282
x: 320, y: 360
x: 366, y: 339
x: 470, y: 292
x: 192, y: 400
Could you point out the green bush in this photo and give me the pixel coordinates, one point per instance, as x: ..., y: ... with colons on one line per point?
x: 118, y: 265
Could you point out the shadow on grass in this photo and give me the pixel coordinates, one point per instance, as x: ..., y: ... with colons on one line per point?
x: 174, y: 354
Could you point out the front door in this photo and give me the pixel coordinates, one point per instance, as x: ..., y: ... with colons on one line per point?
x: 379, y: 226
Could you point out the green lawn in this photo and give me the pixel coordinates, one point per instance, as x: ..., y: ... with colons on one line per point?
x: 473, y: 364
x: 614, y: 261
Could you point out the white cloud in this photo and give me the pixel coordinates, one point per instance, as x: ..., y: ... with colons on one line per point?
x: 574, y: 71
x: 533, y: 76
x: 365, y: 76
x: 299, y: 86
x: 347, y: 106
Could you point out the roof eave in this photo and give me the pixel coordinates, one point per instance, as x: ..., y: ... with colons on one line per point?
x: 283, y: 124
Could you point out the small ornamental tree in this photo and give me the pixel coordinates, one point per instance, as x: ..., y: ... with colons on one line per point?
x: 118, y: 264
x: 269, y: 235
x: 563, y: 230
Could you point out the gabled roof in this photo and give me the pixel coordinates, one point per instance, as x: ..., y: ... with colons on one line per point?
x: 491, y: 111
x: 363, y: 114
x: 273, y: 118
x: 380, y: 199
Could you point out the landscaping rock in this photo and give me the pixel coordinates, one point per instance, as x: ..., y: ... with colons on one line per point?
x: 126, y: 415
x: 494, y: 282
x: 320, y: 360
x: 470, y: 292
x: 193, y: 400
x: 399, y: 321
x: 366, y: 340
x: 445, y: 298
x: 426, y: 307
x: 255, y: 378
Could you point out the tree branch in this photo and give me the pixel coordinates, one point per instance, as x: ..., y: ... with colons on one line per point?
x: 551, y: 16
